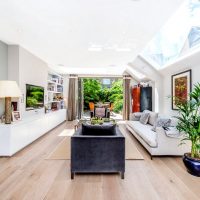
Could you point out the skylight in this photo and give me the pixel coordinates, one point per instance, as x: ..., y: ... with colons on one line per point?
x: 179, y: 36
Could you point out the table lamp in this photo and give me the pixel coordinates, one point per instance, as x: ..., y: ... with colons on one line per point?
x: 8, y: 89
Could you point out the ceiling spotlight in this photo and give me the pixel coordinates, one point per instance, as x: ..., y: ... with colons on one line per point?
x: 94, y: 49
x: 123, y: 49
x: 112, y: 65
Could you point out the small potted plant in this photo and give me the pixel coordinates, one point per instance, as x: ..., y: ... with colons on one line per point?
x: 189, y: 124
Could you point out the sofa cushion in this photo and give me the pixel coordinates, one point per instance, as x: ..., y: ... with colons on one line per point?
x: 174, y: 122
x: 173, y: 132
x: 145, y: 132
x: 162, y: 122
x: 144, y: 118
x: 107, y: 129
x: 135, y: 116
x: 152, y: 117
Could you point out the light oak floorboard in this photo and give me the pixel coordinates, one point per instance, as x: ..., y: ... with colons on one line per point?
x: 28, y: 175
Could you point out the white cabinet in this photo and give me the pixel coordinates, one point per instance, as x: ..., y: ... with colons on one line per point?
x: 18, y: 135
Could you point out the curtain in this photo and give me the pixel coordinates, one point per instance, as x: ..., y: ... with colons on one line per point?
x: 80, y: 98
x: 126, y: 104
x: 71, y: 112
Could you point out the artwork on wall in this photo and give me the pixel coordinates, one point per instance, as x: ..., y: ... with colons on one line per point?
x: 181, y: 87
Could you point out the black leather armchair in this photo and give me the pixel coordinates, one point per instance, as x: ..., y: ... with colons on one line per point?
x: 98, y: 151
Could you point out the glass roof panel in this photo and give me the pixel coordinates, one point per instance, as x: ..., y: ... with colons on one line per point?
x: 178, y: 36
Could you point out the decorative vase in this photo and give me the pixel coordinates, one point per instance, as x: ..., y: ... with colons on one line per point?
x: 192, y: 165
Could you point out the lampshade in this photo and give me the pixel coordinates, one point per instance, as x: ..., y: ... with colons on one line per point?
x: 9, y: 89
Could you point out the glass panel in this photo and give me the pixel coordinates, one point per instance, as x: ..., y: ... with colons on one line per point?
x: 169, y: 43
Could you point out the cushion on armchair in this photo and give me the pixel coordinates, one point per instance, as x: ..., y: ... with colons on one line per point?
x: 88, y: 129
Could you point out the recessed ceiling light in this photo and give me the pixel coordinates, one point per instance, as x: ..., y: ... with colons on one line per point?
x: 94, y: 49
x: 112, y: 65
x: 123, y: 49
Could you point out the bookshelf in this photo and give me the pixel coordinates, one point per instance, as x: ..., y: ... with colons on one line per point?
x: 55, y: 91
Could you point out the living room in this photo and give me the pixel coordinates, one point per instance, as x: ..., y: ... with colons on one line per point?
x: 50, y: 150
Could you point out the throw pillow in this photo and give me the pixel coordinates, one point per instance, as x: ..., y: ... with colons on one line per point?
x: 152, y: 118
x: 174, y: 122
x: 173, y: 132
x: 144, y: 118
x: 162, y: 122
x: 135, y: 116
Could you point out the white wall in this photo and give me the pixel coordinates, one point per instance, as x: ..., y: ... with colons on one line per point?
x: 13, y: 63
x: 156, y: 79
x: 3, y: 61
x: 26, y: 68
x: 3, y: 69
x: 18, y: 64
x: 34, y: 71
x: 189, y: 63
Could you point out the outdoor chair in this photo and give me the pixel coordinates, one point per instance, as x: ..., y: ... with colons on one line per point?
x: 100, y: 112
x: 91, y: 106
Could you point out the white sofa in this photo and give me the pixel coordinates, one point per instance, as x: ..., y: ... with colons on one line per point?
x: 157, y: 143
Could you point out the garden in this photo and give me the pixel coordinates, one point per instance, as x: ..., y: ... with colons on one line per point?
x: 95, y: 91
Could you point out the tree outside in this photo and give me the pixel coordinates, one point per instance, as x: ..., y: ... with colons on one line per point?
x: 95, y: 91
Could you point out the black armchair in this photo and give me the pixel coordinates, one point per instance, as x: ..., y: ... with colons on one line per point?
x: 97, y: 152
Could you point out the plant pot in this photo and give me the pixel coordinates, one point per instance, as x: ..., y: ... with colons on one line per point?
x: 192, y: 164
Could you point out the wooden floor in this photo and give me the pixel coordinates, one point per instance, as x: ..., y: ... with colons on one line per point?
x: 28, y: 175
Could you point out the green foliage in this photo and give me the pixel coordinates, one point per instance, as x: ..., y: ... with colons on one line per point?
x: 35, y: 97
x: 104, y: 94
x: 92, y: 89
x: 31, y: 102
x: 189, y: 120
x: 118, y: 105
x: 116, y: 91
x: 94, y: 92
x: 116, y: 95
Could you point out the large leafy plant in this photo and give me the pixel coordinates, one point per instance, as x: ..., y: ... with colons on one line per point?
x: 189, y: 120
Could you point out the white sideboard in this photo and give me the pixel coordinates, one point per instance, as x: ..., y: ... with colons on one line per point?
x: 18, y: 135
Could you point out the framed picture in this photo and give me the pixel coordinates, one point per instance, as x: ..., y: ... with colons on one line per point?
x: 16, y: 116
x: 181, y: 87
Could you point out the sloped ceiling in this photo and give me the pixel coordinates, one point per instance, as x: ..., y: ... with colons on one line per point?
x: 87, y: 35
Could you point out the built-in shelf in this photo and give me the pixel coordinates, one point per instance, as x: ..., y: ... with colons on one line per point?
x: 55, y: 91
x: 56, y: 101
x: 49, y: 81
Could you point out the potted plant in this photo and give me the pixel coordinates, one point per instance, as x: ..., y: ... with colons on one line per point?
x: 189, y: 124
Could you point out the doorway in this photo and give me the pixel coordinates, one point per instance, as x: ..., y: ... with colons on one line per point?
x: 100, y: 92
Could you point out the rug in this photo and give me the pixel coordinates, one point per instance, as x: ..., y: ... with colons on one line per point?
x: 62, y: 151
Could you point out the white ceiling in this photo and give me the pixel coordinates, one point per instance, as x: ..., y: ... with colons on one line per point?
x: 62, y: 31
